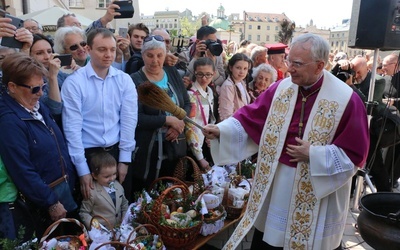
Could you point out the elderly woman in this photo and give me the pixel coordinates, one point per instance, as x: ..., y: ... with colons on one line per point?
x: 72, y: 40
x: 157, y: 130
x: 263, y: 76
x: 32, y: 148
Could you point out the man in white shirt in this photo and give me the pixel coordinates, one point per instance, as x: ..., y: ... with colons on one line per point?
x: 100, y: 109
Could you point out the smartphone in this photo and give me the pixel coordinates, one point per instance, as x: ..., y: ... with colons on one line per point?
x: 123, y: 32
x: 66, y: 59
x: 11, y: 41
x: 125, y: 8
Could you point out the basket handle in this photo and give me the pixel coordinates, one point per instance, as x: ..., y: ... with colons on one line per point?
x: 146, y: 226
x: 159, y: 201
x: 54, y: 226
x: 126, y: 246
x: 109, y: 226
x: 176, y: 181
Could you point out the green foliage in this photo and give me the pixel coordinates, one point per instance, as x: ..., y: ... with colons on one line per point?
x: 188, y: 27
x: 286, y: 33
x: 8, y: 244
x: 248, y: 168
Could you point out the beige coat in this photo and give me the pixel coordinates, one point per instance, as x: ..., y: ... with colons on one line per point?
x: 230, y: 100
x: 100, y: 203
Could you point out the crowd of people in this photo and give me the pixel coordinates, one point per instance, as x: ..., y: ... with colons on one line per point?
x: 77, y: 142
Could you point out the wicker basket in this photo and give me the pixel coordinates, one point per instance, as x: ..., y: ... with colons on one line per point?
x: 181, y: 173
x: 116, y: 245
x: 76, y: 240
x: 105, y: 223
x: 149, y: 231
x: 233, y: 212
x: 172, y: 236
x: 144, y: 216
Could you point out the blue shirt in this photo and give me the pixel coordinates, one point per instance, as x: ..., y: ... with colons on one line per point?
x: 99, y: 113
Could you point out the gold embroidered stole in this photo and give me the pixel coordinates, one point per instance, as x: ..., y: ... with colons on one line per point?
x: 320, y: 129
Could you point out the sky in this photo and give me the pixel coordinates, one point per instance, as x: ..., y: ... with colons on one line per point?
x: 325, y: 14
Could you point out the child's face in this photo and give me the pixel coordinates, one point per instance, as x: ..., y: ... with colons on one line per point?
x: 204, y: 74
x: 239, y: 70
x: 107, y: 175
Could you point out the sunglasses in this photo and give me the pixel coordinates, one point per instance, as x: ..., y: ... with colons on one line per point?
x: 34, y: 89
x: 157, y: 38
x: 76, y: 46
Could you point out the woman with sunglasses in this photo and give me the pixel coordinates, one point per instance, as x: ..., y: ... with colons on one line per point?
x: 157, y: 128
x: 33, y: 148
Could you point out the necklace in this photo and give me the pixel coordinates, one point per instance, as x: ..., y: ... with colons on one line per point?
x: 303, y: 103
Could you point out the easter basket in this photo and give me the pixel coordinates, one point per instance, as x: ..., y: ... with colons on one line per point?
x: 100, y: 231
x: 188, y: 165
x: 115, y: 245
x: 155, y: 189
x: 70, y: 241
x: 146, y: 236
x: 233, y: 209
x: 176, y: 233
x: 213, y: 220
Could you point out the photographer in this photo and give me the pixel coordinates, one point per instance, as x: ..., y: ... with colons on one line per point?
x: 204, y: 46
x: 375, y: 163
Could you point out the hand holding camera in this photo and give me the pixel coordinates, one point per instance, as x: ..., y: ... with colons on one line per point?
x: 209, y: 48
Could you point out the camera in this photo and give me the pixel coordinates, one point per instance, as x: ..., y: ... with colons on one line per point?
x: 214, y: 47
x: 342, y: 74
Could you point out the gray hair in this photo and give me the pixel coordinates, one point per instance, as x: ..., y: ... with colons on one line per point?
x: 258, y: 50
x: 319, y: 46
x: 61, y: 33
x: 153, y: 44
x: 265, y: 68
x: 33, y: 20
x: 61, y: 20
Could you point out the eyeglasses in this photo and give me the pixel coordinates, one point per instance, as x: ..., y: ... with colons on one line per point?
x: 34, y: 89
x: 157, y: 37
x: 76, y: 46
x: 167, y: 41
x: 201, y: 75
x: 296, y: 64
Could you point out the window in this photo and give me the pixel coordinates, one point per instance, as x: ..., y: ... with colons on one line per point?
x: 103, y: 3
x: 332, y: 44
x: 250, y: 26
x: 75, y: 3
x: 249, y: 37
x: 276, y: 28
x: 268, y: 27
x: 258, y: 27
x: 333, y: 35
x: 258, y: 37
x: 276, y: 38
x: 267, y: 38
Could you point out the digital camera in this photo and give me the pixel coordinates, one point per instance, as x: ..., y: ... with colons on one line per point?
x: 214, y: 47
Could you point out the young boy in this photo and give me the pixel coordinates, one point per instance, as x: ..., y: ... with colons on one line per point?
x: 107, y: 199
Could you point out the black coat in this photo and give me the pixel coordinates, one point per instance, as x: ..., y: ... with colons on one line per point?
x: 150, y: 120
